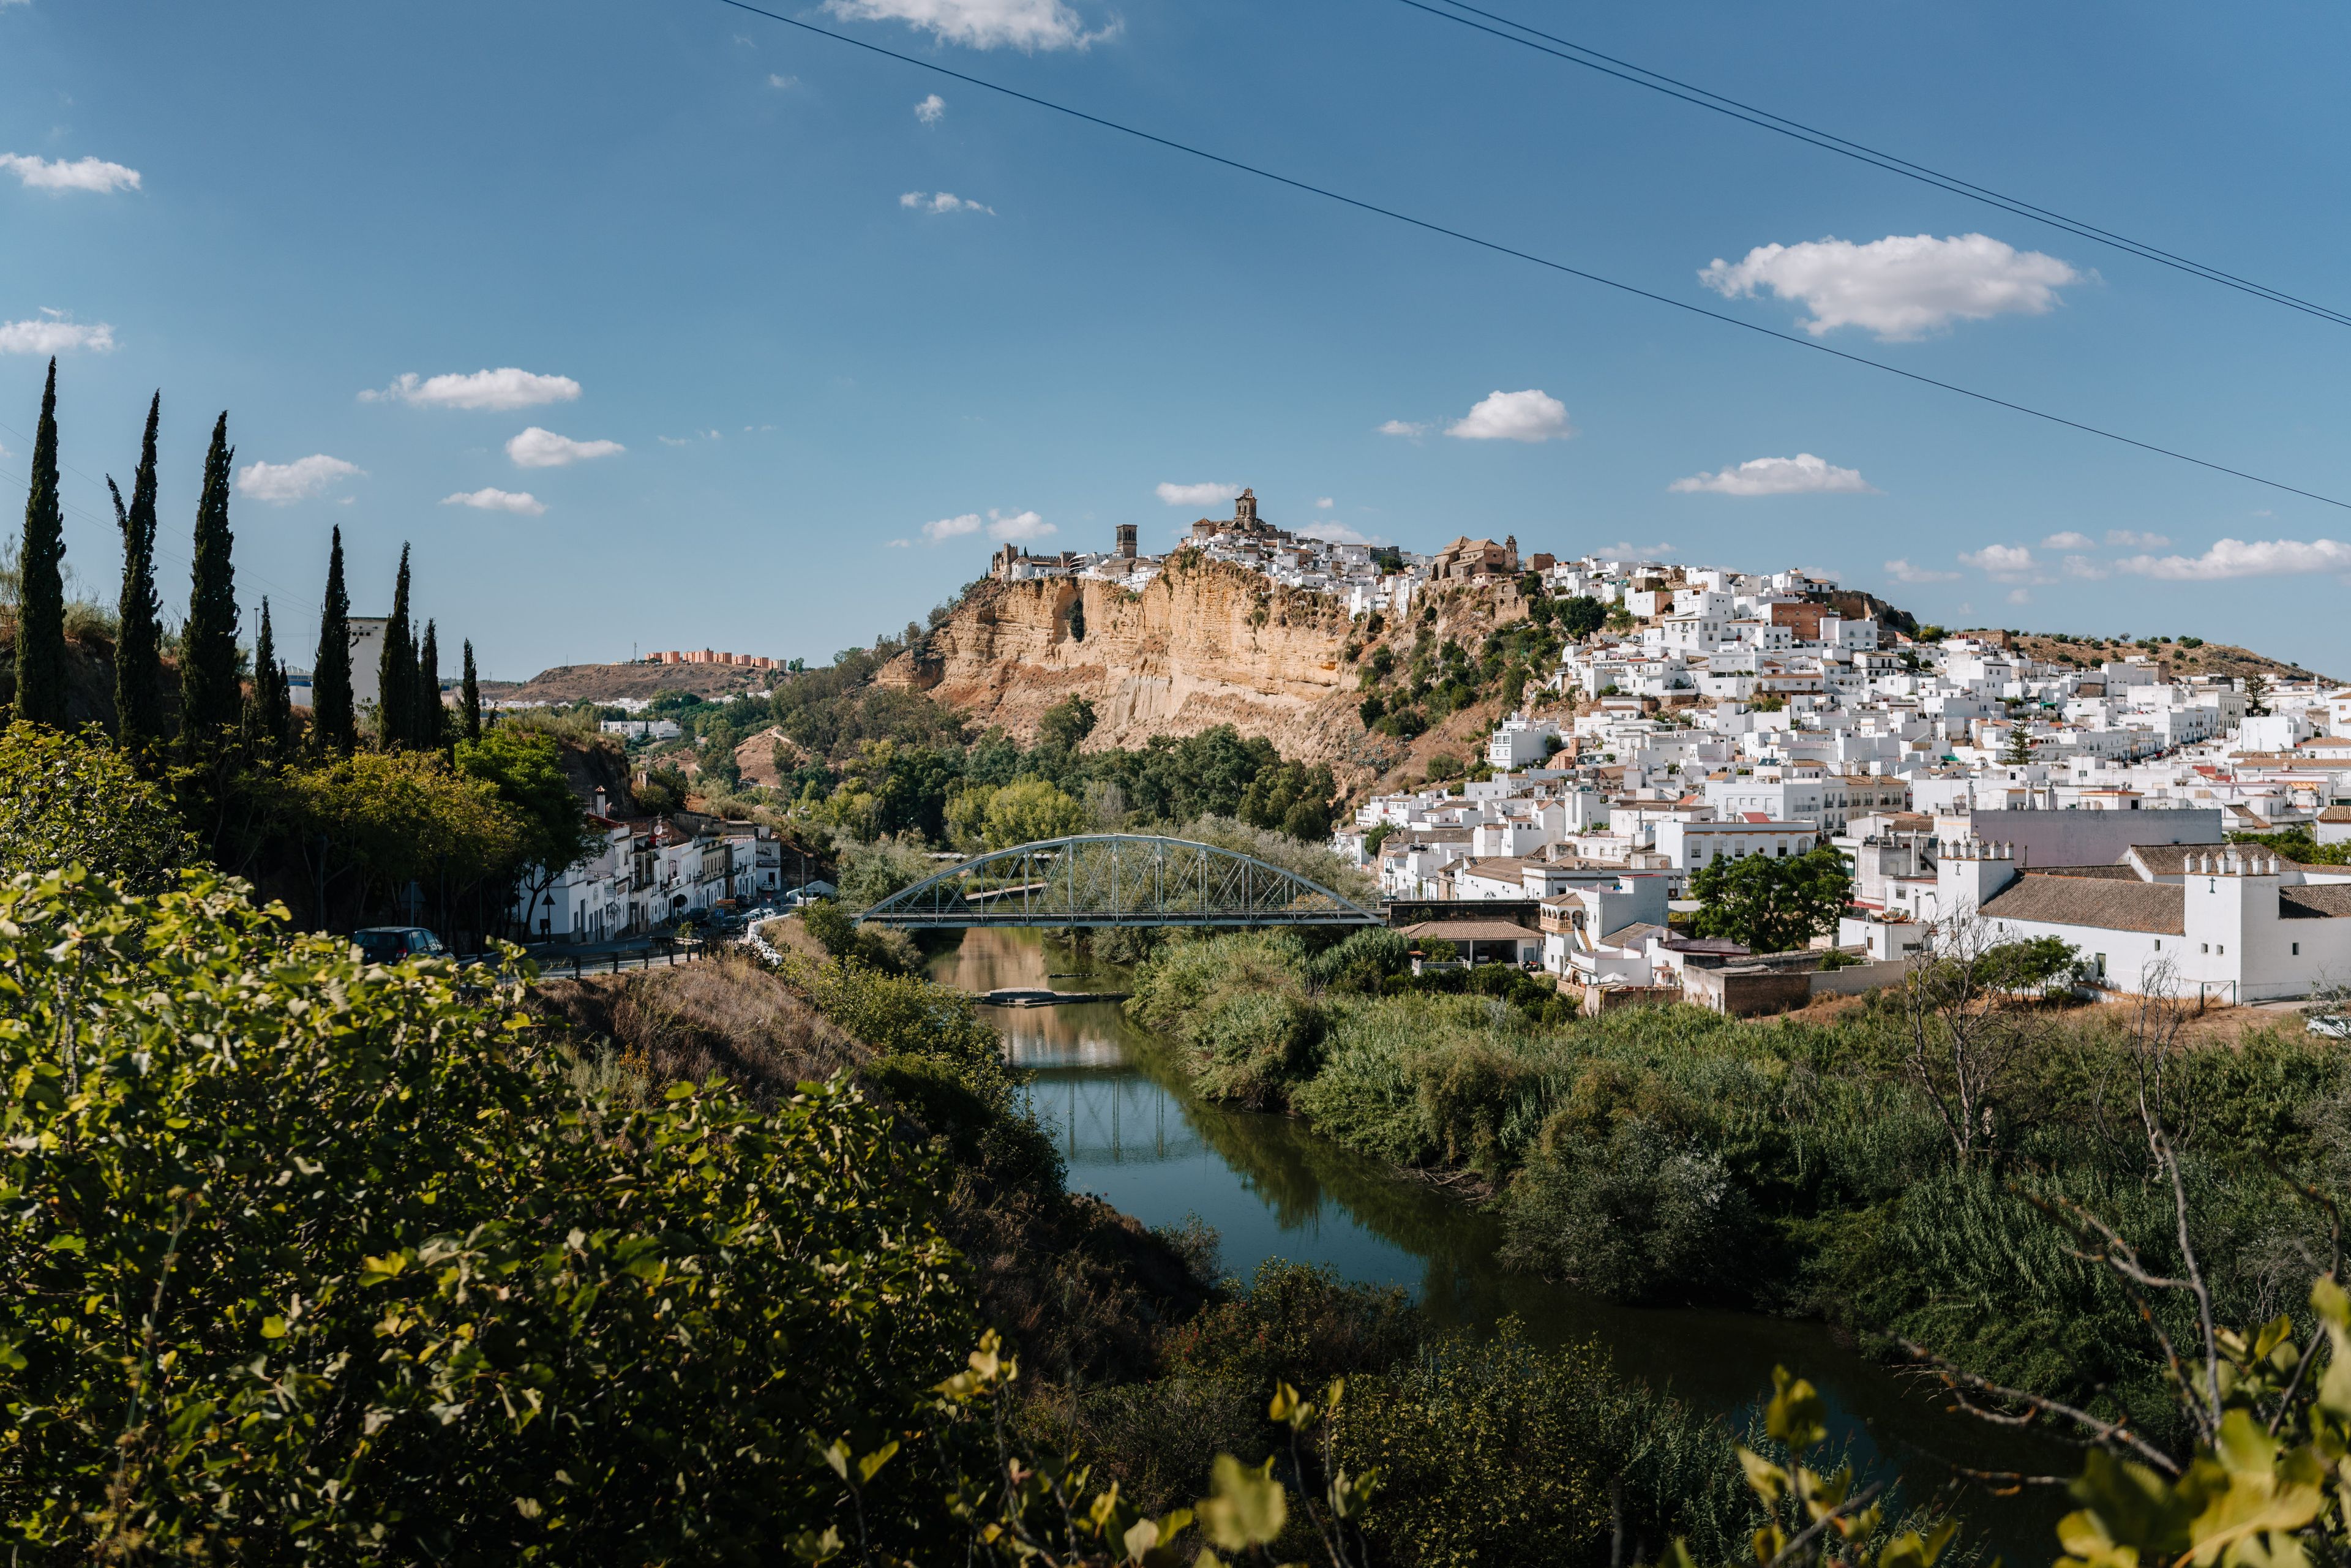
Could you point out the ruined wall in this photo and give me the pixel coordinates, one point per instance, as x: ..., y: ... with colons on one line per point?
x: 1205, y: 643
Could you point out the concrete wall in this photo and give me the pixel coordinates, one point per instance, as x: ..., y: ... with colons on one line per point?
x: 2090, y: 838
x: 1859, y: 978
x: 1746, y: 993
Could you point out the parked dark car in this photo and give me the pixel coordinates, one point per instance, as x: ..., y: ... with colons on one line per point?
x: 391, y: 943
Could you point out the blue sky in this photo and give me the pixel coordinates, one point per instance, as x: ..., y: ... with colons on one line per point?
x: 721, y: 246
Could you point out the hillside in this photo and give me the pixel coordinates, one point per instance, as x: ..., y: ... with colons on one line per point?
x: 1209, y: 642
x: 604, y: 682
x: 1204, y: 643
x: 2176, y: 657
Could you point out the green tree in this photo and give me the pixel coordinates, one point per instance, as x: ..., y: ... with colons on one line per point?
x: 139, y: 613
x: 72, y: 800
x: 311, y: 1260
x: 526, y: 770
x: 2018, y: 751
x: 470, y: 713
x: 1028, y: 812
x: 369, y: 826
x: 431, y: 719
x: 269, y: 709
x: 2257, y: 696
x: 41, y: 589
x: 334, y: 728
x: 210, y: 697
x: 1580, y: 616
x: 1771, y: 904
x: 396, y: 671
x: 1066, y: 724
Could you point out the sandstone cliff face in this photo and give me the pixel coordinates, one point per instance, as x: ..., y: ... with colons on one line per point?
x: 1204, y: 643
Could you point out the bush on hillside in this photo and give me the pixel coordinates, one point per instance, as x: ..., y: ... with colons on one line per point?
x: 74, y: 799
x: 313, y: 1260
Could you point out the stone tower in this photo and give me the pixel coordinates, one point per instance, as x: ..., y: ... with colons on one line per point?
x: 1245, y: 510
x: 1126, y: 541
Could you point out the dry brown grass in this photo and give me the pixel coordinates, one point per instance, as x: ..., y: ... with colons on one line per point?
x: 728, y: 1017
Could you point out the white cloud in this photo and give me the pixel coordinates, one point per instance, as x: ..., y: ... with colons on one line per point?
x: 899, y: 544
x: 281, y: 483
x: 981, y: 23
x: 1529, y: 416
x: 2130, y: 540
x: 1902, y: 571
x: 2019, y: 596
x: 2240, y: 558
x: 2069, y: 540
x: 538, y: 448
x: 1340, y: 533
x: 1209, y: 494
x: 1403, y: 427
x: 1024, y: 526
x: 1626, y: 549
x: 81, y: 175
x: 931, y: 109
x: 941, y: 201
x: 1803, y: 474
x: 780, y: 82
x: 1901, y: 288
x: 501, y: 388
x: 1019, y: 525
x: 1323, y: 503
x: 54, y: 332
x: 2083, y: 567
x: 2007, y: 563
x: 521, y: 502
x: 689, y: 440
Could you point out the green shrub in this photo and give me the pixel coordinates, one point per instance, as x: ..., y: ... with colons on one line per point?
x: 882, y: 947
x: 316, y: 1261
x: 74, y: 799
x: 1256, y: 1045
x: 1646, y: 1214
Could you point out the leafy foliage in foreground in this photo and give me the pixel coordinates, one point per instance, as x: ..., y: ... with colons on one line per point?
x: 317, y: 1262
x: 70, y: 800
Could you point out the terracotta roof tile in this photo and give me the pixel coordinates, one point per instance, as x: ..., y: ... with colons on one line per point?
x: 2114, y: 905
x: 2315, y: 901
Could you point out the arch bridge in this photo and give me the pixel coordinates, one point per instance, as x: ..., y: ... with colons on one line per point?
x: 1116, y: 879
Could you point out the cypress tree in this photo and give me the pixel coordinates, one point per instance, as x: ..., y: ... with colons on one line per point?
x: 397, y: 671
x: 470, y: 711
x: 139, y: 646
x: 430, y: 729
x: 210, y: 700
x: 269, y: 711
x: 332, y: 730
x: 41, y: 595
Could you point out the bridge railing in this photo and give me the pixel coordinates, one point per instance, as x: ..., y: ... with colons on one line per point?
x: 1117, y: 879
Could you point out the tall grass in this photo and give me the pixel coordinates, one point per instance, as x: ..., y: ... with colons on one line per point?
x: 1673, y: 1155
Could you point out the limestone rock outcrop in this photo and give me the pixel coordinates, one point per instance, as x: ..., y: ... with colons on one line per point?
x: 1205, y: 642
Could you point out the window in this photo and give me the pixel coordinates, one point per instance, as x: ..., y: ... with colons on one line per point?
x: 2204, y: 946
x: 2298, y: 949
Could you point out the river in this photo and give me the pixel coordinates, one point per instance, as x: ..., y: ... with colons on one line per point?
x: 1133, y: 1133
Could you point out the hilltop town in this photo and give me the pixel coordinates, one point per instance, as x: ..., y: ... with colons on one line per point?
x: 1670, y: 715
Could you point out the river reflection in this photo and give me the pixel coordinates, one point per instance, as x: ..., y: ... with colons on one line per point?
x: 1117, y: 1102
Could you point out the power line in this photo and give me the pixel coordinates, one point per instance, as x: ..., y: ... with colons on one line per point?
x: 1501, y: 249
x: 1763, y: 118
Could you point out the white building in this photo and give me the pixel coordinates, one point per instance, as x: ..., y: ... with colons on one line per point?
x: 2230, y: 923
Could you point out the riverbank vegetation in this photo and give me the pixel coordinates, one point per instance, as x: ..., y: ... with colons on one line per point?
x: 1672, y: 1155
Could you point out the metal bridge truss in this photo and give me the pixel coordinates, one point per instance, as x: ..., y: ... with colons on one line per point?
x: 1116, y: 879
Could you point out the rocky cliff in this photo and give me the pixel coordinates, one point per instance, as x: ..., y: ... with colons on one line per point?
x: 1204, y: 643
